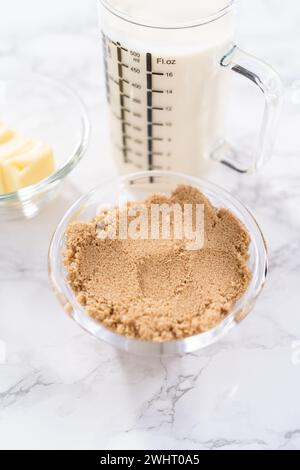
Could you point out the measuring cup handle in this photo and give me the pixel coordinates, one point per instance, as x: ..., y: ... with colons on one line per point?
x: 270, y: 84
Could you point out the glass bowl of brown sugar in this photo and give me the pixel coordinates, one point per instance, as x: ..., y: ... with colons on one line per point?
x: 146, y: 279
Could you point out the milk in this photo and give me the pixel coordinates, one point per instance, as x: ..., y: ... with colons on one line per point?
x: 166, y: 89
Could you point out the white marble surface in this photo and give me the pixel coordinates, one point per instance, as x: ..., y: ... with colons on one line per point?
x: 59, y: 387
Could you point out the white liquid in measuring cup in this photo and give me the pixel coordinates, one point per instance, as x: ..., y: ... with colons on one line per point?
x: 165, y: 87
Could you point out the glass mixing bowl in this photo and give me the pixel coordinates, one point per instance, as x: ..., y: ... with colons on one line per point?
x: 44, y: 109
x: 135, y: 187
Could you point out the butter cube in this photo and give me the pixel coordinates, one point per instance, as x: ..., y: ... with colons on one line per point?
x: 8, y: 149
x: 27, y: 167
x: 14, y: 146
x: 5, y: 133
x: 23, y: 161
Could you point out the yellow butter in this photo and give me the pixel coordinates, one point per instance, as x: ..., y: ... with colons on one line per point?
x: 14, y: 146
x: 23, y: 161
x: 5, y: 133
x: 28, y: 167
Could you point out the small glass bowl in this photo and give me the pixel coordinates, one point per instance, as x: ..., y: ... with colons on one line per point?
x: 135, y: 187
x: 44, y: 109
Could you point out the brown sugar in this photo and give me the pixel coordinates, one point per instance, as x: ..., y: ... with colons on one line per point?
x: 157, y: 290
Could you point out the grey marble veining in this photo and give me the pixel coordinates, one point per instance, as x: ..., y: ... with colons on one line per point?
x: 59, y: 387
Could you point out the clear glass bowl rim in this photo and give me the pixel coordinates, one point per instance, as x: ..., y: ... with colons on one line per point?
x: 72, y: 160
x: 175, y: 347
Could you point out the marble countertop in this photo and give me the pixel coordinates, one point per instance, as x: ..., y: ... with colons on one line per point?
x: 60, y: 387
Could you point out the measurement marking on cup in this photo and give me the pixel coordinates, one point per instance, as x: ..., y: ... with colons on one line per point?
x: 128, y: 149
x: 104, y: 42
x: 116, y: 44
x: 123, y: 109
x: 149, y: 111
x: 113, y: 80
x: 117, y: 82
x: 124, y: 69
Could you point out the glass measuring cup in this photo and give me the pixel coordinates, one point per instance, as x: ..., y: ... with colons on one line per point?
x: 167, y: 68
